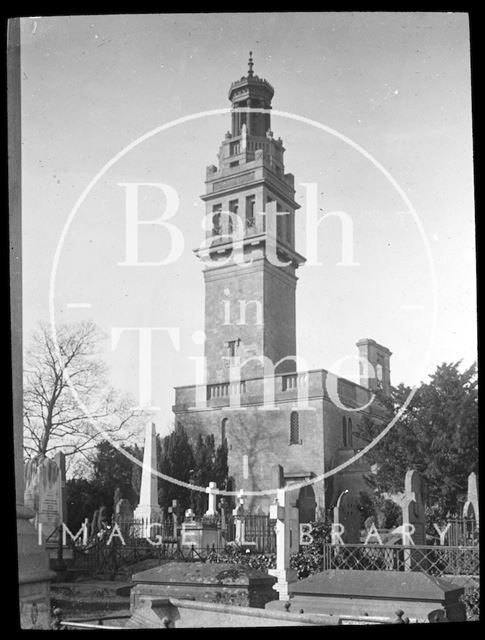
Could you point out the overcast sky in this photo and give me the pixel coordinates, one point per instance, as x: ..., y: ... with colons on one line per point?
x: 397, y: 85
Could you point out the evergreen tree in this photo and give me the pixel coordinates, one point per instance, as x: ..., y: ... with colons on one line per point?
x: 437, y: 435
x: 176, y: 459
x: 112, y: 471
x: 221, y: 469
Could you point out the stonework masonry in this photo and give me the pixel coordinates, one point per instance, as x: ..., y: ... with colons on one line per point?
x: 250, y: 321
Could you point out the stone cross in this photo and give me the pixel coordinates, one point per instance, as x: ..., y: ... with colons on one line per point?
x: 212, y: 491
x: 281, y: 512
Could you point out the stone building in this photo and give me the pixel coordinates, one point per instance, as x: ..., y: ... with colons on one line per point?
x: 253, y: 396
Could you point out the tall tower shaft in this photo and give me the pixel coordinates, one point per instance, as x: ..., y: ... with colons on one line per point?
x: 250, y: 309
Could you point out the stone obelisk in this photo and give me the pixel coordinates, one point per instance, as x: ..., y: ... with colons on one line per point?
x: 148, y: 507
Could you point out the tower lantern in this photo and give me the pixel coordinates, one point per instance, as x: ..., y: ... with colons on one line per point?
x: 251, y: 92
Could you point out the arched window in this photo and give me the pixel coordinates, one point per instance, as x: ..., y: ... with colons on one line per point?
x: 294, y: 428
x: 344, y: 431
x: 223, y: 432
x: 349, y: 432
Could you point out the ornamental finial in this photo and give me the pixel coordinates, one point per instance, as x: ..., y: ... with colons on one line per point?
x: 250, y: 65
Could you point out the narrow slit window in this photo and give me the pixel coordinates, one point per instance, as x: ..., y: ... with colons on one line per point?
x: 294, y: 428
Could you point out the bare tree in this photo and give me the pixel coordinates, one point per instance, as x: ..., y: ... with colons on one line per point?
x: 68, y: 403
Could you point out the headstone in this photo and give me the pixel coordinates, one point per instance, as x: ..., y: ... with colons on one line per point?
x: 94, y: 523
x: 102, y: 520
x: 412, y: 506
x: 116, y: 498
x: 148, y: 509
x: 124, y: 516
x: 471, y: 509
x: 346, y: 513
x: 369, y: 522
x: 124, y: 509
x: 45, y: 493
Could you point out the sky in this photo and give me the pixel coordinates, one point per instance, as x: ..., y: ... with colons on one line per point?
x: 395, y: 85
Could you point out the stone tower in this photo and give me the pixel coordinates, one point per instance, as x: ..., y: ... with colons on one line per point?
x: 249, y: 308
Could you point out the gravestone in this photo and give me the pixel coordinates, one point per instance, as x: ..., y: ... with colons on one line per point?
x: 346, y: 513
x: 45, y: 493
x: 470, y: 508
x: 116, y: 497
x: 124, y: 516
x: 94, y: 523
x: 102, y: 517
x: 412, y: 506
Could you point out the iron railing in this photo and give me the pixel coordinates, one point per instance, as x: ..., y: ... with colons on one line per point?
x: 433, y: 560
